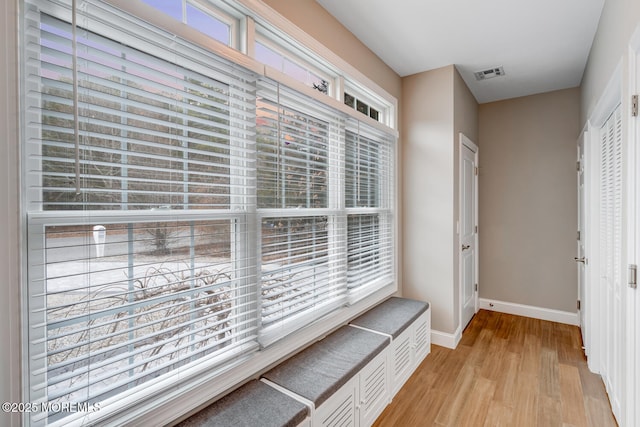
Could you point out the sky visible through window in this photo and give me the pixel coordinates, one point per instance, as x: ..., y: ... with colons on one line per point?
x: 278, y: 61
x: 195, y: 18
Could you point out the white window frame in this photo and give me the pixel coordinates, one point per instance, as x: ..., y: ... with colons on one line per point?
x: 288, y: 54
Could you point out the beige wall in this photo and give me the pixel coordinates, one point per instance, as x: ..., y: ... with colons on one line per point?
x: 9, y: 225
x: 619, y: 20
x: 436, y: 106
x: 528, y: 200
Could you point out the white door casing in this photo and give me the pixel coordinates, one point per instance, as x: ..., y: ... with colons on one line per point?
x: 468, y: 236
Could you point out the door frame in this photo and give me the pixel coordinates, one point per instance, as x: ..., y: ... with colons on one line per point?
x: 465, y: 141
x: 632, y: 353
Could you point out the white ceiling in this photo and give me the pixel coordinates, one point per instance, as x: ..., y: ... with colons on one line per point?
x: 543, y: 45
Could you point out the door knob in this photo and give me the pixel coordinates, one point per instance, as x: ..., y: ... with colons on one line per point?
x: 582, y: 260
x: 465, y: 247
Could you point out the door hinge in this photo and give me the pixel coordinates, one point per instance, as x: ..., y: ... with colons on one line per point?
x: 475, y: 170
x: 476, y: 229
x: 578, y: 238
x: 634, y: 105
x: 476, y: 287
x: 578, y: 304
x: 633, y: 276
x: 578, y: 166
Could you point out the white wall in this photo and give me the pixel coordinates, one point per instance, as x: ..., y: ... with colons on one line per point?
x: 9, y: 225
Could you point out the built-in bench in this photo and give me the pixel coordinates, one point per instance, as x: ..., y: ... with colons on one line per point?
x: 347, y: 378
x: 254, y: 404
x: 325, y: 375
x: 408, y: 323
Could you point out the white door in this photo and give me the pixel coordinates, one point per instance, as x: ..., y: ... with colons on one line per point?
x: 610, y: 254
x: 581, y: 260
x: 468, y: 230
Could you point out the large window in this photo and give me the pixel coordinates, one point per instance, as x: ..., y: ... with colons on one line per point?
x: 183, y: 213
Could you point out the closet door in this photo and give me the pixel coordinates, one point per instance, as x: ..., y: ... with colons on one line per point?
x: 611, y: 278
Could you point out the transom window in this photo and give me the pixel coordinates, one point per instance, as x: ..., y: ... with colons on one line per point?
x: 267, y: 53
x: 205, y: 19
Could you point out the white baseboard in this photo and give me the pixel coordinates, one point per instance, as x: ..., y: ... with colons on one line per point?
x: 530, y: 311
x: 444, y: 339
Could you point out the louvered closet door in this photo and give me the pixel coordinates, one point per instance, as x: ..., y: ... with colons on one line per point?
x: 374, y: 389
x: 611, y: 253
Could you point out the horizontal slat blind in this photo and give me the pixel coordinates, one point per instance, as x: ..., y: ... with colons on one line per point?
x: 159, y: 273
x: 180, y: 212
x: 152, y: 133
x: 368, y: 199
x: 293, y: 138
x: 302, y: 263
x: 162, y: 294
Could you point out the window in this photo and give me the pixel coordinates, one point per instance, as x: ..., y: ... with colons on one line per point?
x: 153, y: 273
x: 183, y: 213
x: 297, y: 142
x: 368, y: 190
x: 306, y: 74
x: 363, y: 107
x: 205, y: 19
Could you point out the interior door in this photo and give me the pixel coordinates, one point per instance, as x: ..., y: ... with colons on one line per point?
x: 611, y: 251
x: 633, y: 293
x: 581, y: 260
x: 468, y: 231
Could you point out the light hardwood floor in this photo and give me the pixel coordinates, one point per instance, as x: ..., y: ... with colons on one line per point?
x: 507, y: 371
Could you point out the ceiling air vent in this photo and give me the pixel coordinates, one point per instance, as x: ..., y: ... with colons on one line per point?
x: 489, y: 74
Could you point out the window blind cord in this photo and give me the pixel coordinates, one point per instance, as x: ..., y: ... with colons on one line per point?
x: 280, y: 165
x: 76, y: 109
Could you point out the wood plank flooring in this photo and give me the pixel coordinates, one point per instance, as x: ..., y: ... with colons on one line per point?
x: 507, y: 371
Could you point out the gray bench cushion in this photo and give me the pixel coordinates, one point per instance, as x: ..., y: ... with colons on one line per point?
x: 392, y: 316
x: 255, y: 404
x: 321, y: 369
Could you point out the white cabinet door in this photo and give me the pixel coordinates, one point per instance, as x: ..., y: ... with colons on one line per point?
x: 421, y: 338
x: 401, y: 363
x: 374, y: 389
x: 409, y: 349
x: 340, y: 409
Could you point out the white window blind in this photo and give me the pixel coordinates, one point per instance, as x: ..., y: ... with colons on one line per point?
x: 180, y: 212
x: 149, y: 268
x: 299, y: 159
x: 369, y: 184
